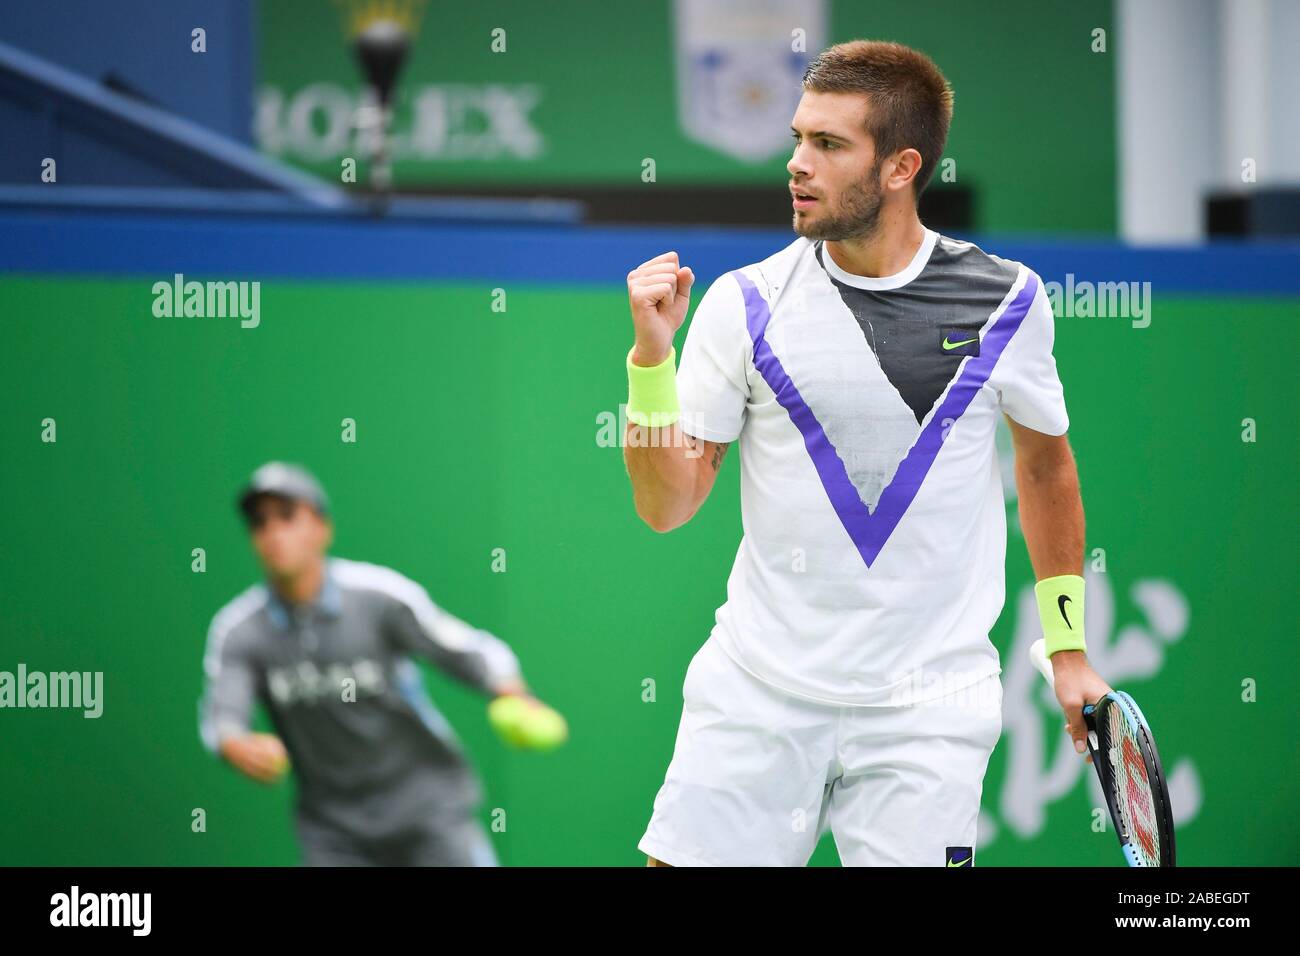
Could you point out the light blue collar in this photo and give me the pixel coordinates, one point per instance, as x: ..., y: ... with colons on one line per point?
x: 329, y: 600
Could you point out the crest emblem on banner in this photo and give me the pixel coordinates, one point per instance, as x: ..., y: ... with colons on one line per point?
x: 738, y: 71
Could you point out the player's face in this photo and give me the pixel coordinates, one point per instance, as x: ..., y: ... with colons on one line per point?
x: 288, y: 536
x: 834, y: 162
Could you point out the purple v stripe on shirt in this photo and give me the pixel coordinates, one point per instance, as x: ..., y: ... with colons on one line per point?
x: 870, y: 530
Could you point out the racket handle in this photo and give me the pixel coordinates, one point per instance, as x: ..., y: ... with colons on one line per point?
x: 1038, y: 654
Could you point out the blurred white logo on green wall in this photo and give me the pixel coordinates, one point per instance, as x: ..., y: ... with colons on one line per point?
x: 739, y: 68
x: 1129, y: 651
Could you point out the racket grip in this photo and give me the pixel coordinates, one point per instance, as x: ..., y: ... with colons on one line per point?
x: 1038, y: 654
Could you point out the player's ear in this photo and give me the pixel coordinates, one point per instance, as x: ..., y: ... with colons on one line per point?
x: 906, y: 167
x: 327, y: 533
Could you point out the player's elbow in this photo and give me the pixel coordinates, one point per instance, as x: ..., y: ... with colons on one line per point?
x: 1052, y: 468
x: 662, y: 520
x: 668, y: 504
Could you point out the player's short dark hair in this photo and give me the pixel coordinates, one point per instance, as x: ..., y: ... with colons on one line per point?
x: 911, y: 101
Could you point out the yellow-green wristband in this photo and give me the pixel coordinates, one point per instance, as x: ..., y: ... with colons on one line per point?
x: 652, y: 392
x: 1060, y: 608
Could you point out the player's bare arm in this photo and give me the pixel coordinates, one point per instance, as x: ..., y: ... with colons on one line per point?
x: 672, y: 473
x: 670, y: 482
x: 1051, y: 517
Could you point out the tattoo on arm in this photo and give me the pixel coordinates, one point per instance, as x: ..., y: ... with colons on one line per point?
x: 719, y: 452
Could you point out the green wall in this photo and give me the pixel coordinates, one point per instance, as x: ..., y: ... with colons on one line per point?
x: 1033, y: 127
x: 477, y: 430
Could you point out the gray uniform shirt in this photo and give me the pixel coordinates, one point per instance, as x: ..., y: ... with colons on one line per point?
x: 372, y: 756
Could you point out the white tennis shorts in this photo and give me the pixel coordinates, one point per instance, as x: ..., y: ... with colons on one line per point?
x: 757, y: 775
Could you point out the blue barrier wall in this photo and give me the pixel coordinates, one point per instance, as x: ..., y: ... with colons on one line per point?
x: 358, y: 248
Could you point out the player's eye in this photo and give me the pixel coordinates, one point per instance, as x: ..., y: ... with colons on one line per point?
x: 826, y: 143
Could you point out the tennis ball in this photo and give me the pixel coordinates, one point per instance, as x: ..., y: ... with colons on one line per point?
x: 505, y: 714
x: 545, y: 728
x: 526, y: 723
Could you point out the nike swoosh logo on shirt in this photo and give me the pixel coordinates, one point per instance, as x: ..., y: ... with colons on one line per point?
x: 954, y: 345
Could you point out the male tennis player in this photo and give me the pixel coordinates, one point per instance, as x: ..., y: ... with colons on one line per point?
x: 849, y: 680
x: 326, y: 645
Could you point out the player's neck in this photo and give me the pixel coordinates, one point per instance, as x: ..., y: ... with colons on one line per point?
x: 303, y: 587
x: 887, y: 251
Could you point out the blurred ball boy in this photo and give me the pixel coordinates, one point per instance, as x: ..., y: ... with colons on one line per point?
x: 326, y: 645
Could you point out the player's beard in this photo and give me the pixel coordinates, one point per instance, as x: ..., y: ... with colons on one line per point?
x: 857, y: 216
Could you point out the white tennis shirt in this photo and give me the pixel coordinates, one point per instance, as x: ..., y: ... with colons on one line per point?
x: 872, y: 561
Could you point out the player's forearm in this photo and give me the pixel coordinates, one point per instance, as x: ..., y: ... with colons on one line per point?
x: 1051, y: 516
x: 226, y: 707
x: 665, y: 469
x: 471, y: 655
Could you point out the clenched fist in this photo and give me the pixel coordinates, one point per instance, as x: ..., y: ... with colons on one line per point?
x: 659, y: 292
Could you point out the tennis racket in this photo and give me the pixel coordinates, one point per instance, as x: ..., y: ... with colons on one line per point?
x: 1124, y: 754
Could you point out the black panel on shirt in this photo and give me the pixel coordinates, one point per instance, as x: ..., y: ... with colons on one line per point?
x: 951, y: 299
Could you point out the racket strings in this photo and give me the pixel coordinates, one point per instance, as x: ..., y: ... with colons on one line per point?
x: 1134, y: 801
